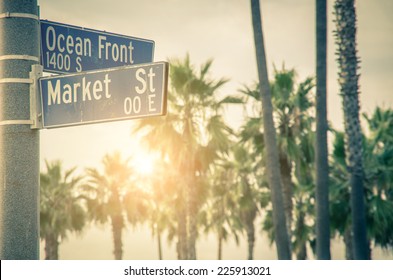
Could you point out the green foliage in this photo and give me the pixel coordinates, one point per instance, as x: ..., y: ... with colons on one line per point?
x: 293, y: 114
x: 61, y: 205
x: 377, y: 158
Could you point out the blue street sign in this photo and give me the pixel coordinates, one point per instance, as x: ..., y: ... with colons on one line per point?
x: 99, y: 96
x: 71, y: 49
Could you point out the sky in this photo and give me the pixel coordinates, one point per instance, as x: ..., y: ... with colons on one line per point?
x: 221, y: 30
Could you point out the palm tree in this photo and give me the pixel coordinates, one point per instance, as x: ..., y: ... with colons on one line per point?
x: 160, y: 135
x: 282, y: 89
x: 377, y: 158
x: 248, y: 195
x: 234, y: 198
x: 293, y: 116
x: 160, y: 219
x: 378, y: 161
x: 345, y: 34
x: 162, y: 196
x: 190, y: 136
x: 304, y: 176
x: 273, y: 166
x: 61, y: 209
x: 304, y: 212
x: 291, y: 104
x: 339, y: 192
x: 221, y: 209
x: 111, y: 194
x: 321, y: 148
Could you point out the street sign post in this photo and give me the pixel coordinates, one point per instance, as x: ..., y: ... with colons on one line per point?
x: 99, y: 96
x: 70, y: 49
x: 19, y: 145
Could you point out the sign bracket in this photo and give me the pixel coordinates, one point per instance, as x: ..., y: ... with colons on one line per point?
x: 34, y: 93
x: 35, y: 97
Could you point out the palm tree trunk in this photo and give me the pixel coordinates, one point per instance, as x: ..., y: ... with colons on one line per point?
x: 182, y: 234
x: 192, y: 222
x: 250, y: 239
x: 159, y: 243
x: 117, y: 230
x: 370, y: 250
x: 301, y: 253
x: 321, y: 148
x: 360, y: 242
x: 191, y: 208
x: 348, y: 244
x: 219, y: 252
x: 348, y: 80
x: 286, y: 174
x: 273, y: 166
x: 51, y: 246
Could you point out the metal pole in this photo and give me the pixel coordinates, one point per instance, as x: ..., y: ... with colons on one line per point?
x: 19, y: 144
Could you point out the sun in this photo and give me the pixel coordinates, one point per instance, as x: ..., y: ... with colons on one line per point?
x: 144, y: 164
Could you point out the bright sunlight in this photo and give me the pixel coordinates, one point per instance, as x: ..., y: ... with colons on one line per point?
x: 144, y: 163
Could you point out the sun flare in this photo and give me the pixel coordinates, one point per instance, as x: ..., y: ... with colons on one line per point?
x: 144, y: 164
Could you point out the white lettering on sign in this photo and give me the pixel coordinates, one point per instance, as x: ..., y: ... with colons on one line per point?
x: 59, y: 41
x: 54, y: 94
x: 68, y: 93
x: 146, y: 80
x: 132, y: 105
x: 141, y: 77
x: 107, y: 50
x: 60, y: 47
x: 151, y: 102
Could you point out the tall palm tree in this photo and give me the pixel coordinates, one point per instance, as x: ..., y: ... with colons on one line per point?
x: 282, y: 89
x: 61, y: 208
x: 345, y: 34
x: 377, y: 158
x: 221, y: 207
x: 304, y: 175
x: 292, y: 111
x: 321, y: 147
x: 235, y: 198
x: 248, y: 195
x: 109, y: 191
x: 162, y: 196
x: 159, y: 134
x: 339, y: 192
x: 190, y: 136
x: 273, y: 166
